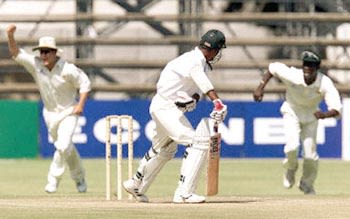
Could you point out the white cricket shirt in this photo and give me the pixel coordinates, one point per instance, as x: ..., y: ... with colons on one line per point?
x: 59, y: 86
x: 303, y: 97
x: 187, y: 73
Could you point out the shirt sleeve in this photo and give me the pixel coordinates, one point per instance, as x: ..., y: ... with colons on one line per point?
x: 26, y: 60
x: 277, y: 68
x: 79, y: 79
x: 283, y: 72
x: 331, y: 94
x: 201, y: 79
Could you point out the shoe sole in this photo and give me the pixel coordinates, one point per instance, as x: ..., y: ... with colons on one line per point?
x: 189, y: 202
x: 183, y: 201
x: 178, y: 203
x: 131, y: 193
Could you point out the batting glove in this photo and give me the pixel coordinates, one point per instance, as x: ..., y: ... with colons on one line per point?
x: 184, y: 102
x: 219, y: 112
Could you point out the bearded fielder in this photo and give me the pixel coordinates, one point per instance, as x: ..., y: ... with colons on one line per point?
x: 305, y: 89
x: 178, y: 90
x: 58, y: 82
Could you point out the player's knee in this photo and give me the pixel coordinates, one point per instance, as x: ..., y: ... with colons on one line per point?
x: 291, y: 146
x: 64, y: 149
x: 201, y: 139
x: 167, y: 155
x: 184, y: 138
x: 311, y: 156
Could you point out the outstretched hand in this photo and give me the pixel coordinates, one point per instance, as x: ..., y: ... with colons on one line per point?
x: 258, y: 95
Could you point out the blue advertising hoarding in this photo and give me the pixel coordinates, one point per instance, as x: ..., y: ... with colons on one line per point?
x: 250, y: 130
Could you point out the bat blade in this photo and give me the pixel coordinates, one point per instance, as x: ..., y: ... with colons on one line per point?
x: 213, y: 165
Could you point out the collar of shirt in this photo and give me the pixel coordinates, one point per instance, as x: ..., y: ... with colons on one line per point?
x: 316, y: 83
x: 199, y: 54
x: 59, y: 64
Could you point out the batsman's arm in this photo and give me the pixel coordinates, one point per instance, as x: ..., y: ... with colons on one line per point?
x: 13, y: 49
x: 212, y: 95
x: 220, y: 109
x: 259, y: 91
x: 202, y: 81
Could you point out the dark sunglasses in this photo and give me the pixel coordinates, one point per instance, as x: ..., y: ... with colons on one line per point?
x: 45, y: 51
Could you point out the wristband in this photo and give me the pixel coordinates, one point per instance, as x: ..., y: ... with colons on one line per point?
x: 218, y: 105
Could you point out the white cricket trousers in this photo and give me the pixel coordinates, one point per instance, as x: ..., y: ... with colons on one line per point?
x: 297, y: 131
x: 171, y: 124
x: 172, y: 128
x: 62, y: 130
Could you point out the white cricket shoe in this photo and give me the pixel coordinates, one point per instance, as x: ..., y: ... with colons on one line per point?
x: 51, y: 187
x: 81, y: 186
x: 289, y: 179
x: 131, y: 186
x: 190, y: 198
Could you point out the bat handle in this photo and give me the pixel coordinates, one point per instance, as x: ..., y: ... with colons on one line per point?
x: 216, y: 127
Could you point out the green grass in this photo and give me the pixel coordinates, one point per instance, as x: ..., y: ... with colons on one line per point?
x: 249, y: 188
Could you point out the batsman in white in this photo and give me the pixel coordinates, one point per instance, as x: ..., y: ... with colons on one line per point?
x: 305, y: 89
x: 58, y: 82
x: 178, y: 90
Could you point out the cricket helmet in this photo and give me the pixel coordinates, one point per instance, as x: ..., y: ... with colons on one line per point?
x: 310, y: 58
x: 213, y: 39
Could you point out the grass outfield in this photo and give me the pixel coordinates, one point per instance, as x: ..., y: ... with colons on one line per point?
x: 249, y: 188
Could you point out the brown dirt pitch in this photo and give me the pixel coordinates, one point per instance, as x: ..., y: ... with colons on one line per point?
x: 249, y: 189
x: 311, y: 207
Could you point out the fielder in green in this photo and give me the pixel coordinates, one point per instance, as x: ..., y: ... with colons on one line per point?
x: 305, y: 89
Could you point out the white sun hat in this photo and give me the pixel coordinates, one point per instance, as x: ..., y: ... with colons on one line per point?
x: 47, y: 42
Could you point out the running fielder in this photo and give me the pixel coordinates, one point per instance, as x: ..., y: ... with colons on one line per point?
x: 58, y: 82
x: 178, y: 90
x: 305, y: 89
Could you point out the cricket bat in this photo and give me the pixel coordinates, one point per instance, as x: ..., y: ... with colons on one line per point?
x: 213, y: 162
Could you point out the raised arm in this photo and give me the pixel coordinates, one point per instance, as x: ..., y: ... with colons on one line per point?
x: 13, y: 49
x: 259, y: 91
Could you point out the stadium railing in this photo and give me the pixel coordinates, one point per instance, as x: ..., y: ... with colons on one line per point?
x: 265, y: 18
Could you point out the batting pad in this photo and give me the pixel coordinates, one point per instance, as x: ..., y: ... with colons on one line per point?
x: 195, y: 158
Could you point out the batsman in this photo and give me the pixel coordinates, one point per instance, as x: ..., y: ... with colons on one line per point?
x: 178, y: 90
